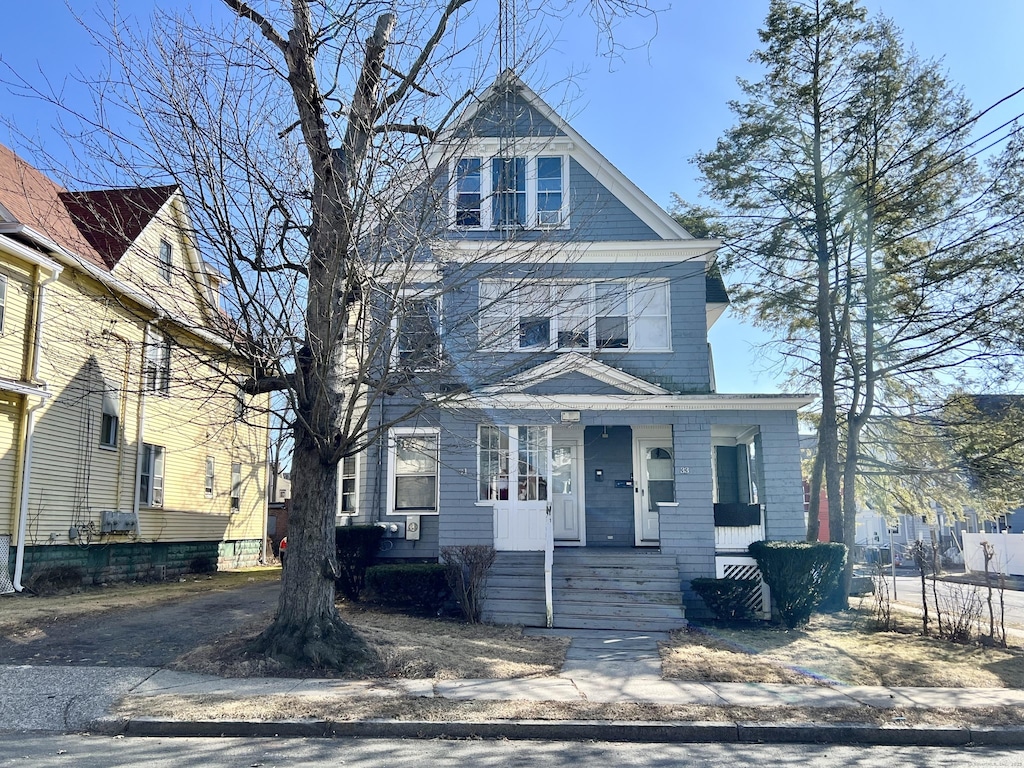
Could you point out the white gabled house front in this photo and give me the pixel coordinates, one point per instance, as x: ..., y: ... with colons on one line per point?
x: 578, y: 429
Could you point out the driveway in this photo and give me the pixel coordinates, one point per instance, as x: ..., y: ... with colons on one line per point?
x: 151, y: 636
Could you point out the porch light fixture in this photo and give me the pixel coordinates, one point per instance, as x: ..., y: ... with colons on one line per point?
x: 570, y: 417
x: 604, y: 433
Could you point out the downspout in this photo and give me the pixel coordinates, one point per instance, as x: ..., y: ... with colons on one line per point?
x: 30, y: 421
x: 140, y: 426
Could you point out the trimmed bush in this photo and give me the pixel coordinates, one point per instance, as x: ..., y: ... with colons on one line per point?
x: 727, y: 598
x: 422, y: 587
x: 800, y: 574
x: 356, y: 547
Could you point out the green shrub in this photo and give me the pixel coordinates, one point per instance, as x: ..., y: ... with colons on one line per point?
x: 356, y: 546
x: 423, y: 587
x: 728, y: 599
x: 800, y: 574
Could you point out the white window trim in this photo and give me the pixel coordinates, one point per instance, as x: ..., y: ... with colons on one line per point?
x: 512, y: 431
x: 356, y: 469
x: 3, y: 301
x: 509, y: 293
x: 153, y: 497
x: 397, y: 432
x: 157, y: 367
x: 235, y: 503
x: 487, y: 191
x: 209, y: 473
x: 166, y: 266
x: 424, y: 296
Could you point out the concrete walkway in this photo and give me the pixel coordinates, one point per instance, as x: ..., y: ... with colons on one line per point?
x: 602, y: 667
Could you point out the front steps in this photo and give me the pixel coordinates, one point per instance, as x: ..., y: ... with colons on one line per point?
x: 631, y: 589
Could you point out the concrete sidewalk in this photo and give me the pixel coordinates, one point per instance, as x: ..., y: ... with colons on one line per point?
x: 600, y: 667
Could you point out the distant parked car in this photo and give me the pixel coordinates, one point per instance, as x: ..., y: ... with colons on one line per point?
x: 282, y: 549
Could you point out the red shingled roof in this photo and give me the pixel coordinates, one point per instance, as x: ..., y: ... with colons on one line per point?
x: 98, y: 225
x: 112, y: 219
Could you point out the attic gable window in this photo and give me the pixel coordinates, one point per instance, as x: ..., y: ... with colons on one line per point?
x: 628, y: 315
x: 508, y: 180
x: 166, y: 260
x: 498, y: 193
x: 467, y: 193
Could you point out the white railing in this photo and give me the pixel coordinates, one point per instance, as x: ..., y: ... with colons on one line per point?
x: 730, y: 539
x: 549, y: 558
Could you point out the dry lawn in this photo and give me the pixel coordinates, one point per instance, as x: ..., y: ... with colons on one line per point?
x: 284, y: 707
x: 407, y: 647
x: 837, y: 648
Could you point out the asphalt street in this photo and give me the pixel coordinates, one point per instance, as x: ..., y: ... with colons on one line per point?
x: 107, y: 752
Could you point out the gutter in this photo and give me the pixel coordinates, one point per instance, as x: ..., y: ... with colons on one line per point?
x: 110, y: 282
x: 30, y: 413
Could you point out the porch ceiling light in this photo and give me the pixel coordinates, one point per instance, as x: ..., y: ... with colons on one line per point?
x: 570, y: 417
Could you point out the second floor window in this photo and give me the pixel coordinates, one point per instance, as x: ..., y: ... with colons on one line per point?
x: 417, y: 341
x: 157, y: 371
x: 109, y: 420
x: 508, y: 182
x: 628, y: 315
x: 208, y: 481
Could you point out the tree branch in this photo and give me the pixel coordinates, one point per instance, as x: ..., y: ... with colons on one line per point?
x: 413, y: 128
x: 245, y: 11
x: 428, y: 49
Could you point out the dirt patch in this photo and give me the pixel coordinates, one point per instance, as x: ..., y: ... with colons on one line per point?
x: 284, y: 707
x: 837, y: 648
x: 146, y: 626
x: 23, y: 613
x: 407, y: 647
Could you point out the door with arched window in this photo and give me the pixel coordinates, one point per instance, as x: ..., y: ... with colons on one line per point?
x: 654, y: 477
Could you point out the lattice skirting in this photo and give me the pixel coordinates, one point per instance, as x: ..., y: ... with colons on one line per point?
x: 734, y: 567
x: 6, y: 585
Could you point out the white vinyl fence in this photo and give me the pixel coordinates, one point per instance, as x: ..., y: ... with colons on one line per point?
x: 1009, y: 552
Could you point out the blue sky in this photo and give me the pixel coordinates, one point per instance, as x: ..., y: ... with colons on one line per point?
x: 647, y: 112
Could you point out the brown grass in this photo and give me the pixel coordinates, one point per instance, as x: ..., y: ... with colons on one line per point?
x: 837, y: 648
x: 285, y: 707
x: 408, y: 647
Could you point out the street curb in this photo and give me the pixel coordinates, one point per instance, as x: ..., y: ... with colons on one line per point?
x: 575, y: 730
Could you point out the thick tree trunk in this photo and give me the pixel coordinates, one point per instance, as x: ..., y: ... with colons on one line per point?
x: 814, y: 489
x: 307, y: 628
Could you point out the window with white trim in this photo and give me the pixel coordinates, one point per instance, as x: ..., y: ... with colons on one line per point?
x: 497, y: 473
x: 157, y: 370
x: 509, y: 192
x: 166, y: 260
x: 110, y: 421
x: 413, y: 471
x: 3, y: 300
x: 347, y: 481
x: 236, y: 487
x: 151, y: 476
x: 629, y: 315
x: 209, y: 478
x: 416, y: 324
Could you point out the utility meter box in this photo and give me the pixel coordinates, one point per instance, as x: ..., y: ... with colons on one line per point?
x: 114, y: 521
x: 412, y: 527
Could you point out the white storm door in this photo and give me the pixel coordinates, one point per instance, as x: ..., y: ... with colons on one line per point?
x: 655, y: 474
x: 566, y: 492
x: 520, y: 521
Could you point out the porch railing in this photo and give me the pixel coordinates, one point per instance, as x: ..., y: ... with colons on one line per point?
x: 737, y: 526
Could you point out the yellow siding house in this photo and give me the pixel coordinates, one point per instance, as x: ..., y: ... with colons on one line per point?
x: 127, y: 449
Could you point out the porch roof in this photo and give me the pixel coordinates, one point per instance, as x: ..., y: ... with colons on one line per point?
x: 632, y: 402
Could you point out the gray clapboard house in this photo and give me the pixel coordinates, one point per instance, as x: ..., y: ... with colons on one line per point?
x: 577, y: 427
